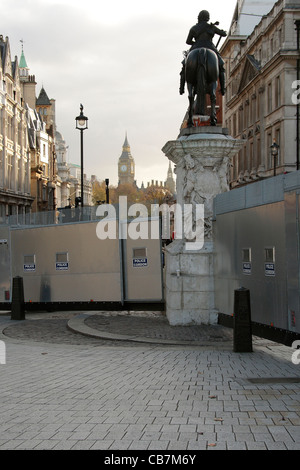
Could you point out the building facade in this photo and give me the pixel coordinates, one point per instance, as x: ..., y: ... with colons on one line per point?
x: 63, y: 170
x: 75, y: 185
x: 15, y: 197
x: 46, y: 110
x: 261, y: 69
x: 41, y: 139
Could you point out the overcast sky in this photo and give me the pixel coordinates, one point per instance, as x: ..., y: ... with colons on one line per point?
x: 121, y: 60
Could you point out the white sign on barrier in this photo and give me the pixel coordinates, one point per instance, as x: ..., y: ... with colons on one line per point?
x: 139, y: 262
x: 62, y: 266
x: 269, y: 269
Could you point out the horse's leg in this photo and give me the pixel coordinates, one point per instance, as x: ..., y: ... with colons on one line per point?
x: 200, y: 102
x: 190, y: 89
x: 213, y: 100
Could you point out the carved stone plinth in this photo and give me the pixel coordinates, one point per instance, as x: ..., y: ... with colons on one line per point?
x: 202, y: 157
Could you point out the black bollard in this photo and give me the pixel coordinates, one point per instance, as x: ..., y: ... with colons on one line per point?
x: 242, y: 334
x: 17, y: 302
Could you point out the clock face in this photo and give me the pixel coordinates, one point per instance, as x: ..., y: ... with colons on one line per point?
x: 123, y: 168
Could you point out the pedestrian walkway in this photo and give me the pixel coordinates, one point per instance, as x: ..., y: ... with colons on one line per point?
x: 91, y: 381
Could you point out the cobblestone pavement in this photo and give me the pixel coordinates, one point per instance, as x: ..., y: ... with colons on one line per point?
x: 155, y: 326
x: 62, y: 390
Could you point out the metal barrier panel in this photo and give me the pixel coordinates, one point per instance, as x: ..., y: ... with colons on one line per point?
x: 66, y: 263
x: 292, y: 227
x: 69, y: 263
x: 143, y: 262
x: 251, y: 253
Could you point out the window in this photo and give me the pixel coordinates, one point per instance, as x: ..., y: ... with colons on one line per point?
x: 246, y: 114
x: 245, y: 166
x: 139, y: 252
x: 253, y: 109
x: 269, y: 97
x: 280, y: 38
x: 241, y: 124
x: 234, y: 125
x: 246, y: 255
x: 251, y: 157
x: 258, y: 106
x: 62, y: 257
x: 44, y: 193
x: 26, y: 180
x: 9, y: 171
x: 10, y: 127
x: 277, y: 92
x: 19, y: 174
x: 20, y: 133
x: 258, y: 152
x: 30, y: 259
x: 271, y: 48
x: 270, y: 255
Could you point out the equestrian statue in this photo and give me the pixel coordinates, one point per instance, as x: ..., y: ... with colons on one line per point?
x: 202, y: 67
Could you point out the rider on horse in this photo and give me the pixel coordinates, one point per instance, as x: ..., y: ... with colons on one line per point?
x: 201, y: 35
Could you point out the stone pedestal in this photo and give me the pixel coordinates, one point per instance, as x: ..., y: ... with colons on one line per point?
x: 202, y: 156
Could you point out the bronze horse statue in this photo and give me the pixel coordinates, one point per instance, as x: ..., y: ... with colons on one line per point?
x: 201, y: 76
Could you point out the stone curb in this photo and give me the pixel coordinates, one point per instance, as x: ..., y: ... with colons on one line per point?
x: 77, y: 325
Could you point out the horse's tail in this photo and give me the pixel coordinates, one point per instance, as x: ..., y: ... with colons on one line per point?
x: 202, y: 67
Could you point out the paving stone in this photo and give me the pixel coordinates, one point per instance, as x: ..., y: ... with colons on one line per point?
x: 236, y: 445
x: 60, y: 390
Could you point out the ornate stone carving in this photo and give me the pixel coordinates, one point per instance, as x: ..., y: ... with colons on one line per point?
x: 202, y: 163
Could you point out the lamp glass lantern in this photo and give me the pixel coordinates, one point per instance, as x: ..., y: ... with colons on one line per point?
x: 81, y: 120
x: 274, y: 151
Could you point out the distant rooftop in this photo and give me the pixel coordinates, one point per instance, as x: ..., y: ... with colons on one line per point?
x: 23, y: 63
x: 43, y: 99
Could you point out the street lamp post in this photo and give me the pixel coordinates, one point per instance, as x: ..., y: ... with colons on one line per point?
x: 81, y: 124
x: 107, y: 190
x: 274, y: 151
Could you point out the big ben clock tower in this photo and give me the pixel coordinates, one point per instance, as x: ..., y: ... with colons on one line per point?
x: 126, y: 165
